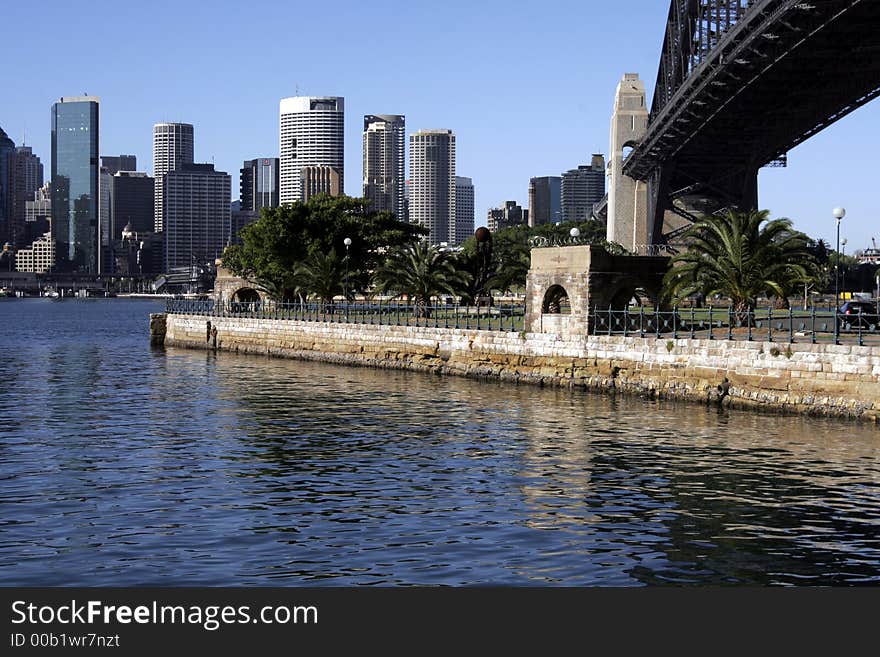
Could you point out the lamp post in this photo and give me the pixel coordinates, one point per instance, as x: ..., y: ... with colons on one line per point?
x: 838, y: 214
x: 347, y: 242
x: 842, y: 270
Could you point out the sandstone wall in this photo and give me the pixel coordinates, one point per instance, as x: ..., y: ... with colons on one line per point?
x: 816, y: 379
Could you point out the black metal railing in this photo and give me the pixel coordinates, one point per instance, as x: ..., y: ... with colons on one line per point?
x: 498, y: 317
x: 764, y: 324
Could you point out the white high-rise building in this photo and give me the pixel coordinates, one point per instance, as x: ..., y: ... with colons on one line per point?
x: 385, y: 161
x: 172, y: 148
x: 312, y: 134
x: 432, y: 183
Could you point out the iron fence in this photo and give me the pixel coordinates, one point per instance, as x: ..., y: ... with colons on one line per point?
x: 765, y: 324
x: 711, y: 323
x: 500, y: 317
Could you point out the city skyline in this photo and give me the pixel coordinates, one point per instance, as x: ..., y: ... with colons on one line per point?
x: 833, y: 168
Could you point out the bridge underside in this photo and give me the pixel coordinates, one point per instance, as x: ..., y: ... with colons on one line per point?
x: 785, y: 71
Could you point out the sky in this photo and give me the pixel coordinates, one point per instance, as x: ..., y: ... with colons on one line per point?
x: 527, y: 88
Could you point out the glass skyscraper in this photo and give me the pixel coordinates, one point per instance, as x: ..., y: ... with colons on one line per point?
x: 75, y: 184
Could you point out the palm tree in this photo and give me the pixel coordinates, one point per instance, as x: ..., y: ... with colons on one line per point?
x: 740, y: 255
x: 421, y: 272
x: 323, y: 275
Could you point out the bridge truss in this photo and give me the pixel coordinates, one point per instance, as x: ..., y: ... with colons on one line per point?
x: 740, y: 83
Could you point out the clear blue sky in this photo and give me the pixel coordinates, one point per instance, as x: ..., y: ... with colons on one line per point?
x: 527, y: 87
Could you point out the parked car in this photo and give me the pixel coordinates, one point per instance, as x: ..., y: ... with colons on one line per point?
x: 859, y: 313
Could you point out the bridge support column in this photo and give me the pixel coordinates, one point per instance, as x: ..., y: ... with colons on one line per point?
x: 628, y: 221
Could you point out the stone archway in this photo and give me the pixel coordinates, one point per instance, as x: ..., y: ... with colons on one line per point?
x: 556, y: 301
x: 246, y: 295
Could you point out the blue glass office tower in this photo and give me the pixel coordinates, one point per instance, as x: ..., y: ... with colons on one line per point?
x: 75, y: 180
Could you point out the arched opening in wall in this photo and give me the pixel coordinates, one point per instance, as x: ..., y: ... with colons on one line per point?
x: 628, y: 148
x: 246, y: 295
x: 622, y: 298
x: 556, y: 301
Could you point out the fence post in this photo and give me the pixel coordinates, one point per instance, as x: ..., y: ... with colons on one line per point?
x: 730, y: 322
x: 813, y: 324
x: 769, y: 323
x: 749, y: 322
x: 641, y: 321
x: 711, y: 337
x: 859, y: 318
x: 693, y: 335
x: 790, y: 325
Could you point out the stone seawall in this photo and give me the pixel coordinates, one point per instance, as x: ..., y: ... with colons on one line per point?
x: 828, y: 380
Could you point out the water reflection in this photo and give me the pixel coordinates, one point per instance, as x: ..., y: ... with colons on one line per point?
x: 121, y: 465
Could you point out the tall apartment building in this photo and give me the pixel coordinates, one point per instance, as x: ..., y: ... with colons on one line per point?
x: 258, y: 187
x: 173, y: 147
x: 545, y: 200
x: 464, y: 210
x: 105, y: 251
x: 432, y: 188
x: 196, y: 211
x: 116, y: 163
x: 76, y: 183
x: 385, y: 162
x: 312, y: 134
x: 24, y: 176
x: 581, y: 188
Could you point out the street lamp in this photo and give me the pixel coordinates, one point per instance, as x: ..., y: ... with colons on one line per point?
x: 347, y: 242
x: 575, y: 232
x: 842, y: 270
x: 838, y: 214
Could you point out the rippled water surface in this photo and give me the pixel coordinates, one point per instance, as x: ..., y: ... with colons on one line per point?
x: 122, y: 465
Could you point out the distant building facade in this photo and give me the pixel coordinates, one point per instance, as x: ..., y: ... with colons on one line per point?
x: 312, y: 130
x: 258, y: 187
x: 464, y: 210
x: 385, y: 162
x: 196, y: 213
x: 39, y: 257
x: 545, y: 200
x: 38, y: 214
x: 316, y: 180
x: 76, y: 184
x: 117, y: 163
x: 132, y: 202
x: 508, y: 215
x: 432, y: 185
x: 581, y: 188
x: 173, y: 147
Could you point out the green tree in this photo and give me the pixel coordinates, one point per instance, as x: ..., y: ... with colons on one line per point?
x: 421, y: 272
x: 282, y: 238
x: 740, y: 255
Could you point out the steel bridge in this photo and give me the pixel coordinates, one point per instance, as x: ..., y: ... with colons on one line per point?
x: 740, y: 83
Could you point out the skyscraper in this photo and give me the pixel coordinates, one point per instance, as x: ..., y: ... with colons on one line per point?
x: 197, y: 215
x: 173, y: 147
x: 114, y: 163
x: 545, y: 200
x: 432, y: 183
x: 131, y: 203
x: 7, y: 146
x: 312, y: 134
x: 464, y: 210
x: 75, y: 183
x: 259, y: 184
x: 385, y: 161
x: 581, y: 188
x: 508, y: 215
x: 24, y: 176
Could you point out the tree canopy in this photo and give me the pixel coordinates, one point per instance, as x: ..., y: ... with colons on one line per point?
x: 275, y: 247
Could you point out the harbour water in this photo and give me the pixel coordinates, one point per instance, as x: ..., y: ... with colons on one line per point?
x: 126, y: 465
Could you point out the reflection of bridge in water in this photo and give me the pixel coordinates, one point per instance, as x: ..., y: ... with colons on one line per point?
x: 740, y: 83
